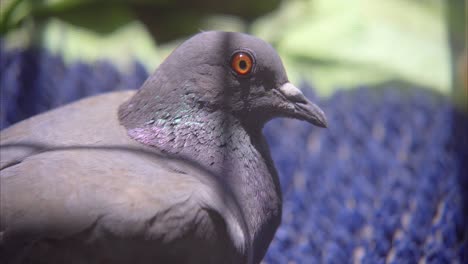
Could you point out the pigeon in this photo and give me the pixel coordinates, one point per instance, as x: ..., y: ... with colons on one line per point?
x: 175, y: 172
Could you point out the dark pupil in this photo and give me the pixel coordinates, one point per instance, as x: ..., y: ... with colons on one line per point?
x: 243, y: 64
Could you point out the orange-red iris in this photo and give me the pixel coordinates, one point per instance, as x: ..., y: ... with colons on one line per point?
x: 241, y: 63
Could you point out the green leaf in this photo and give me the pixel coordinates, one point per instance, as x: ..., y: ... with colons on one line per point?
x: 347, y: 43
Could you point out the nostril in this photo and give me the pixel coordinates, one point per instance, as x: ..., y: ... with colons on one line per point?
x: 292, y: 93
x: 298, y: 98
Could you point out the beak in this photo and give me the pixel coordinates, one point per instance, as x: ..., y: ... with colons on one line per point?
x: 303, y: 108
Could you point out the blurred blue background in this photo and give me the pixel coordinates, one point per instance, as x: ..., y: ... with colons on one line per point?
x: 385, y: 183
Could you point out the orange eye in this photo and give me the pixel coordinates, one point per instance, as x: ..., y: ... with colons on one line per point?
x: 241, y: 63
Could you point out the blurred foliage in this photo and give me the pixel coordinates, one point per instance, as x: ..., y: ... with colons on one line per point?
x: 166, y: 20
x: 331, y: 43
x: 347, y: 43
x: 457, y: 18
x: 83, y: 13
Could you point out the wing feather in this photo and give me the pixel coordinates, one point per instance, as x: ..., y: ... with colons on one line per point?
x: 73, y: 186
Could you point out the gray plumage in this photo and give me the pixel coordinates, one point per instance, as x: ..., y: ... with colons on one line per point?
x: 178, y: 172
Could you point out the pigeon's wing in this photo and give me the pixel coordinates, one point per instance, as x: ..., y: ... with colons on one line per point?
x: 108, y: 196
x: 112, y: 203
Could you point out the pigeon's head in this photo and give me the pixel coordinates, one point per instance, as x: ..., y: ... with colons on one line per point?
x: 236, y: 73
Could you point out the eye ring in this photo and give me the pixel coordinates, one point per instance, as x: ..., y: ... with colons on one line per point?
x: 242, y: 63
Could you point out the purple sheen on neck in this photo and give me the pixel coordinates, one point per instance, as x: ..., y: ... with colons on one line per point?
x: 151, y: 136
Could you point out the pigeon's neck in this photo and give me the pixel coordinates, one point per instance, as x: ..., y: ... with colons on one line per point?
x: 221, y: 144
